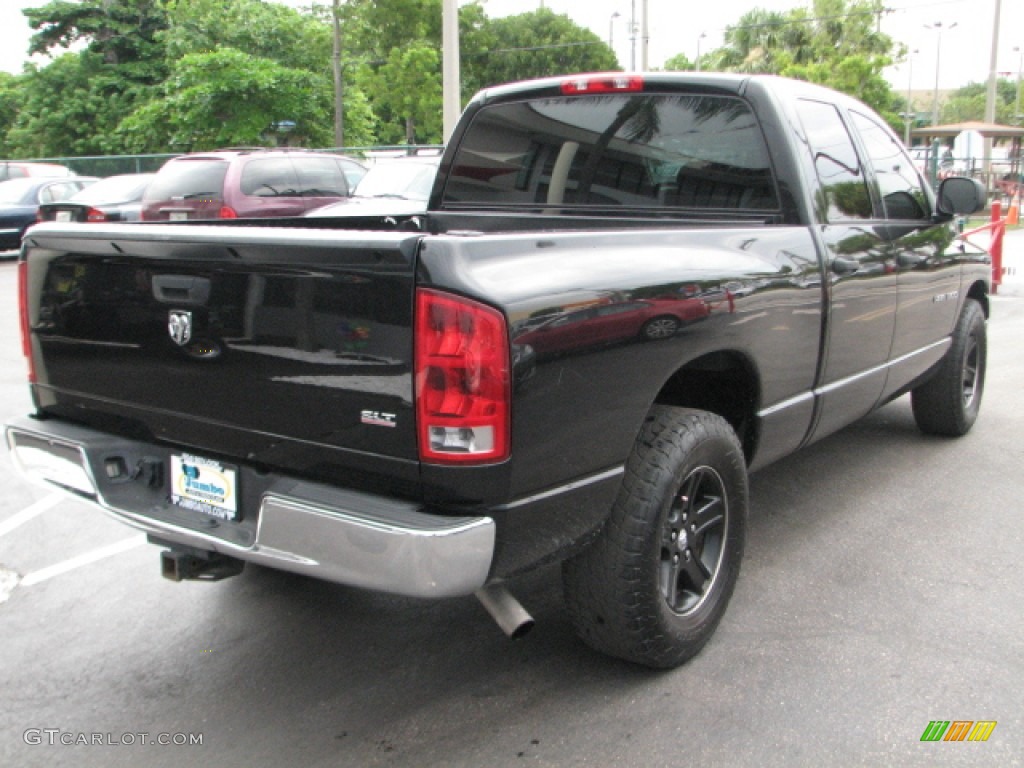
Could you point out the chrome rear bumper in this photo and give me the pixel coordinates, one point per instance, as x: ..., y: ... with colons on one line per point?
x: 334, y: 534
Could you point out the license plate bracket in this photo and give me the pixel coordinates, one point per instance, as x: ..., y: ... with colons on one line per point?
x: 204, y: 485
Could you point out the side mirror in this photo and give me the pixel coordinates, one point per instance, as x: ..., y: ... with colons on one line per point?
x: 960, y: 196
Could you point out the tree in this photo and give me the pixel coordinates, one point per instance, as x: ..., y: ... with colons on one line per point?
x: 72, y: 106
x: 537, y: 44
x: 263, y: 30
x: 968, y: 103
x: 10, y: 102
x: 230, y: 98
x: 119, y: 31
x: 835, y: 43
x: 408, y: 91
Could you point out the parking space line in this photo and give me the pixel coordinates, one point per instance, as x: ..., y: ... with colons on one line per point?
x: 77, y: 562
x: 33, y: 510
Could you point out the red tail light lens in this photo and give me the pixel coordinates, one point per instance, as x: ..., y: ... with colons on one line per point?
x: 227, y: 212
x: 26, y: 339
x: 463, y: 391
x: 611, y: 83
x: 94, y: 214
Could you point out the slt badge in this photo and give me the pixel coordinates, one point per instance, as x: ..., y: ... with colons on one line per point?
x: 179, y: 325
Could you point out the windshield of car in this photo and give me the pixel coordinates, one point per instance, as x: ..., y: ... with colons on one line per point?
x: 188, y: 179
x: 17, y: 190
x: 114, y: 189
x: 411, y: 181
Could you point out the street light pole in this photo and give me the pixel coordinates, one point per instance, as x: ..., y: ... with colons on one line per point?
x: 611, y: 30
x: 938, y: 27
x: 1016, y: 102
x: 632, y: 36
x: 700, y: 37
x: 910, y: 98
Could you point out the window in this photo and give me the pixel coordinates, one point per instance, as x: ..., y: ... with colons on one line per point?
x: 270, y: 177
x: 320, y: 177
x: 898, y: 180
x: 628, y: 150
x: 836, y: 163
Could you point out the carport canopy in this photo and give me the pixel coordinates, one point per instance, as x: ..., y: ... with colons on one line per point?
x: 987, y: 130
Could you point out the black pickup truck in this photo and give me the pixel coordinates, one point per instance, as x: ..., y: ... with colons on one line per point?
x: 627, y: 292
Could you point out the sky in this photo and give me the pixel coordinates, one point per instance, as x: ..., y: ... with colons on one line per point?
x: 677, y: 26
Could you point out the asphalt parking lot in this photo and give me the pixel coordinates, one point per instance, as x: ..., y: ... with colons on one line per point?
x: 881, y: 591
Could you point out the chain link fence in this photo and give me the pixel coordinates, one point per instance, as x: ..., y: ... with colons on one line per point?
x: 112, y: 165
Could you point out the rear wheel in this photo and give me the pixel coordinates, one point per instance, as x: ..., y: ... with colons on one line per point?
x: 948, y: 403
x: 655, y: 584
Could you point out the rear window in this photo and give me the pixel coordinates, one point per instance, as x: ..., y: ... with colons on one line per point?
x: 641, y: 150
x: 188, y: 180
x: 114, y: 189
x: 320, y: 177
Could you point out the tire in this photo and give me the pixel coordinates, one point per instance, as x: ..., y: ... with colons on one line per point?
x: 662, y: 327
x: 947, y: 404
x: 654, y: 585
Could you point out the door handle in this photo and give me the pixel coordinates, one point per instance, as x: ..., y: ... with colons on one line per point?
x: 181, y: 289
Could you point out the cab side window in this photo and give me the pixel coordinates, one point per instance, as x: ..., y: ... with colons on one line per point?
x: 898, y: 181
x: 839, y: 170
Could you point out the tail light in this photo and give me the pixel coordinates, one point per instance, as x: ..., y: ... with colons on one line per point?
x: 94, y: 214
x: 26, y: 338
x: 462, y: 369
x: 227, y: 212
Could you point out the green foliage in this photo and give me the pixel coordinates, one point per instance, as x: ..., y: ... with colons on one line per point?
x: 537, y: 44
x: 71, y: 107
x: 680, y: 63
x: 10, y: 102
x: 408, y: 91
x: 121, y: 32
x: 230, y: 98
x: 968, y: 103
x: 262, y: 30
x: 835, y: 43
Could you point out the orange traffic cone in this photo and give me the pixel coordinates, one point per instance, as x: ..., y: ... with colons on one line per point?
x: 1013, y: 213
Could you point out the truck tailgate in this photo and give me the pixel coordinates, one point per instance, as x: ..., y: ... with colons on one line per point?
x: 289, y: 348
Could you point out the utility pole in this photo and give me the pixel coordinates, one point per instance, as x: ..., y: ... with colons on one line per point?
x: 450, y: 84
x: 990, y: 96
x: 645, y: 35
x: 339, y: 85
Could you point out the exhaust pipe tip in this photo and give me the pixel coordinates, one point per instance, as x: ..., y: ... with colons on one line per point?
x: 505, y: 610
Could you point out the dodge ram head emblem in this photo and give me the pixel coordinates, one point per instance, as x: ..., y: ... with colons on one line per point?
x: 179, y: 325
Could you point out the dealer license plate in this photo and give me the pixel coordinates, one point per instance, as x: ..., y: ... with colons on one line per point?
x: 204, y: 485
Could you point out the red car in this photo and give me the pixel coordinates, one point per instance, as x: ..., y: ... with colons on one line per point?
x: 600, y: 324
x: 248, y: 183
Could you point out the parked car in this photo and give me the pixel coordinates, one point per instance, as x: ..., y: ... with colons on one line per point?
x: 246, y: 183
x: 602, y: 324
x: 116, y: 198
x: 398, y: 187
x: 20, y: 200
x: 21, y: 170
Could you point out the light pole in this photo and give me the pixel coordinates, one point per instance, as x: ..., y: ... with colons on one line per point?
x: 1016, y: 102
x: 938, y: 27
x: 611, y: 30
x: 700, y: 37
x: 910, y: 98
x: 632, y: 36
